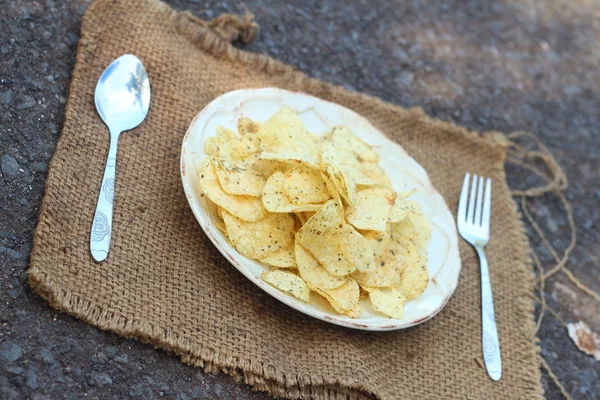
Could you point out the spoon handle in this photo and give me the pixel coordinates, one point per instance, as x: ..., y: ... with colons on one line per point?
x: 102, y: 225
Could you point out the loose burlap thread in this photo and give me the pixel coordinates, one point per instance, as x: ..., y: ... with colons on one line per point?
x: 165, y: 284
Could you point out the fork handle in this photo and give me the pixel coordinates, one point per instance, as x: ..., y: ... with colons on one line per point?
x: 102, y: 226
x: 489, y: 332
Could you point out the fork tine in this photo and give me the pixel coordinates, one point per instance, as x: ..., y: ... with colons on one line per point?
x: 472, y: 200
x: 464, y: 198
x: 487, y: 204
x: 479, y: 202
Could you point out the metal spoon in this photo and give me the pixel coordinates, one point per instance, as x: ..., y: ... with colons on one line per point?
x: 122, y: 100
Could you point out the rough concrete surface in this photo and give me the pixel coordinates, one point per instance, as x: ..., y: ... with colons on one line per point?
x: 488, y: 65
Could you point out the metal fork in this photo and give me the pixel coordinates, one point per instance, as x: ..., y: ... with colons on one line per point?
x: 474, y: 226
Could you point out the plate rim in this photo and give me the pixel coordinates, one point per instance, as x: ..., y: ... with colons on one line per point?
x: 307, y: 309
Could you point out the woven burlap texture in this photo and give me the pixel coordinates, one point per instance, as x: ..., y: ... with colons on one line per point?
x: 164, y: 282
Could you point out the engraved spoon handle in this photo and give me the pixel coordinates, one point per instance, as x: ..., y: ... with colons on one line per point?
x: 102, y: 225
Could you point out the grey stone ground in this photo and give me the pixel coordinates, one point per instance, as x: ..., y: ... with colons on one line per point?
x: 501, y: 65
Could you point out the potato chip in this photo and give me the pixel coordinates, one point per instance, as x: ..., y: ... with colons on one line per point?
x: 283, y: 258
x: 373, y: 171
x: 388, y: 301
x: 221, y: 226
x: 402, y: 207
x: 240, y: 182
x: 343, y: 161
x: 331, y: 188
x: 357, y: 249
x: 378, y: 240
x: 344, y: 138
x: 371, y: 209
x: 246, y: 125
x: 261, y: 238
x: 268, y: 167
x: 224, y: 135
x: 214, y: 143
x: 275, y: 200
x: 301, y: 217
x: 284, y: 137
x: 415, y: 228
x: 240, y: 148
x: 421, y: 226
x: 313, y: 273
x: 407, y: 250
x: 398, y: 212
x: 321, y: 237
x: 244, y: 207
x: 220, y: 212
x: 414, y: 279
x: 343, y: 299
x: 287, y: 282
x: 388, y: 269
x: 304, y: 185
x: 308, y: 214
x: 211, y: 147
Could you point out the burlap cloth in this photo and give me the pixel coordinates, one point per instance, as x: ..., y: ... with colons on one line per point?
x: 165, y: 283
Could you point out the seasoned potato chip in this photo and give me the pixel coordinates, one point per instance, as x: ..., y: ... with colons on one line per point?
x: 211, y: 147
x: 221, y: 226
x: 343, y: 184
x: 388, y: 301
x: 284, y: 137
x: 244, y: 207
x: 344, y: 138
x: 239, y: 148
x: 331, y: 188
x: 224, y: 135
x: 220, y: 212
x: 268, y: 167
x: 373, y: 171
x: 321, y: 237
x: 344, y: 162
x: 308, y: 214
x: 275, y: 200
x: 378, y: 240
x: 398, y: 212
x: 414, y: 279
x: 313, y: 273
x: 240, y: 182
x: 371, y: 209
x: 261, y: 238
x: 388, y: 269
x: 287, y: 282
x: 213, y: 144
x: 357, y: 249
x: 301, y: 217
x: 402, y: 207
x: 343, y: 299
x: 246, y: 125
x: 283, y: 258
x: 304, y: 185
x: 414, y: 228
x: 421, y: 226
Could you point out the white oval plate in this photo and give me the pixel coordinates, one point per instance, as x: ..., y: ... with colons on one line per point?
x: 320, y: 116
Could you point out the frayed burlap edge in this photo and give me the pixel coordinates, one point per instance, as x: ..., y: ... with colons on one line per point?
x: 214, y: 39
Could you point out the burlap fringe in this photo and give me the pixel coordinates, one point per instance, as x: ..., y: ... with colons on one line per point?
x: 258, y: 375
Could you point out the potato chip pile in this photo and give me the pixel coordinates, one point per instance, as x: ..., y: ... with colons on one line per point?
x: 319, y: 211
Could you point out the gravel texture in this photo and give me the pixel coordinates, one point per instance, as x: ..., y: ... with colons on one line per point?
x: 488, y: 65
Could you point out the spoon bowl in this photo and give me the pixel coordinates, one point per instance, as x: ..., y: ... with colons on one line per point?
x: 123, y: 94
